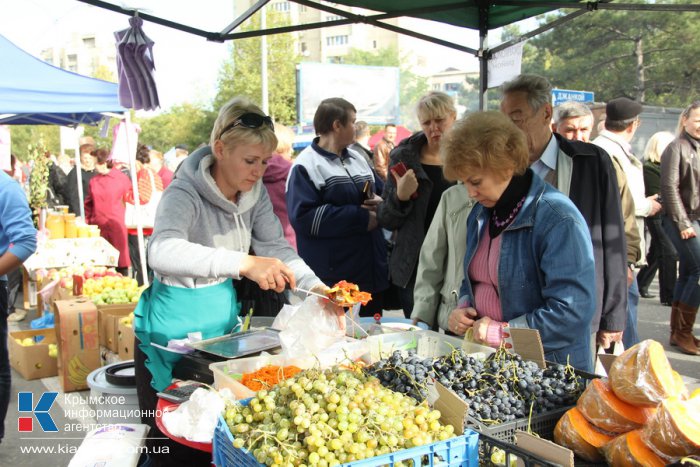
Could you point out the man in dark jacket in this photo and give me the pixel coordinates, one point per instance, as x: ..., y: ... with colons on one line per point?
x: 585, y: 174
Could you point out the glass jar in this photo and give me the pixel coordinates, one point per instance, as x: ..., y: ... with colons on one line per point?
x: 71, y: 229
x: 83, y: 231
x: 55, y: 225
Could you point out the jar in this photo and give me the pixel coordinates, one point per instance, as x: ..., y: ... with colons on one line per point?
x: 71, y: 229
x: 94, y: 231
x: 55, y: 225
x: 83, y: 231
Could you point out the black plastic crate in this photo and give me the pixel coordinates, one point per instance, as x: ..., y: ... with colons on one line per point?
x: 487, y: 446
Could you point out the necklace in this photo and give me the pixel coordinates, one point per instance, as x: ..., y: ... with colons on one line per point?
x: 500, y: 223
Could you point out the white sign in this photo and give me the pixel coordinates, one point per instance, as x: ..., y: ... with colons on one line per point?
x: 504, y: 65
x: 5, y: 148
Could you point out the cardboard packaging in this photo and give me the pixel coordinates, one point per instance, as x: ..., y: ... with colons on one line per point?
x: 108, y: 317
x: 33, y: 362
x: 78, y: 342
x: 125, y: 342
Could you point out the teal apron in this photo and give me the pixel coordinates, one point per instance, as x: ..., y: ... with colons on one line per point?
x: 166, y: 312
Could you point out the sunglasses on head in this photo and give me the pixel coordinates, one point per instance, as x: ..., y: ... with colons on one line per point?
x: 249, y: 120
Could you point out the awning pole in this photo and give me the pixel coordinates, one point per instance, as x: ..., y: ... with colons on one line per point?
x: 137, y: 200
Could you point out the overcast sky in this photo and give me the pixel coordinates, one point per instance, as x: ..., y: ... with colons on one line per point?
x: 187, y: 66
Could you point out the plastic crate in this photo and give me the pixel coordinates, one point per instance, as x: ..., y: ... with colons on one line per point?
x: 487, y: 445
x: 461, y: 451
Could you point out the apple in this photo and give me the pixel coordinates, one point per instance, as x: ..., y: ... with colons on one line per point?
x: 27, y: 342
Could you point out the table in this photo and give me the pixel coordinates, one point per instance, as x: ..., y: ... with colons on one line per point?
x: 62, y: 252
x: 167, y: 406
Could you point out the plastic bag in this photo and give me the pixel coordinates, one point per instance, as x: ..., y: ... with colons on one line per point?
x: 674, y: 431
x: 314, y: 326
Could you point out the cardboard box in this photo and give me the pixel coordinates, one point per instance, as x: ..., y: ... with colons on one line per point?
x: 78, y: 342
x: 125, y: 341
x: 33, y: 362
x: 108, y: 317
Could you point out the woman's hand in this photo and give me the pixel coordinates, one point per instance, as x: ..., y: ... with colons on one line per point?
x: 330, y: 307
x: 269, y: 273
x: 406, y: 185
x: 461, y: 319
x: 481, y: 327
x: 688, y: 233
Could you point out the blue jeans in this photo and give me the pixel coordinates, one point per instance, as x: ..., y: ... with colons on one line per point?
x: 687, y: 290
x: 5, y: 372
x: 630, y: 336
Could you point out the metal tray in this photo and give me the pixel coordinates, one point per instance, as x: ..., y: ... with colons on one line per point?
x: 240, y: 344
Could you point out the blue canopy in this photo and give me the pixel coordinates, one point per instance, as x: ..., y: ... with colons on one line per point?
x: 33, y: 92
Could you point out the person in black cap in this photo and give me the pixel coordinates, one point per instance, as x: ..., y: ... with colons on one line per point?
x: 621, y: 123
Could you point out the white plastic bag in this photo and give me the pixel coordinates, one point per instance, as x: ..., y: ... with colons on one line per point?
x: 111, y: 446
x: 314, y: 326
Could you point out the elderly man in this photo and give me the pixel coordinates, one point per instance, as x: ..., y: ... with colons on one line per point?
x: 621, y: 123
x: 382, y: 150
x: 574, y: 121
x: 585, y: 174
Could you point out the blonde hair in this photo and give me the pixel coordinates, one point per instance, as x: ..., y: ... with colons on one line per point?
x: 656, y: 145
x: 484, y: 141
x: 232, y: 111
x: 285, y: 139
x: 435, y: 104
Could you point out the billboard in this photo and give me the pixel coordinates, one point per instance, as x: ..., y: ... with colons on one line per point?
x: 373, y: 90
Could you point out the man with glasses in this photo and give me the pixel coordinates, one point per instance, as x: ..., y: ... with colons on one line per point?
x: 585, y: 174
x: 621, y: 123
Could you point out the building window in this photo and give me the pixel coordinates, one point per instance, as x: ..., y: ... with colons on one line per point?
x: 89, y: 42
x: 334, y: 17
x: 336, y: 40
x: 452, y: 86
x: 374, y: 44
x: 72, y: 64
x: 334, y: 59
x: 282, y: 7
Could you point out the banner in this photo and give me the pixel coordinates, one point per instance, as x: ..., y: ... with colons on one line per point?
x: 505, y: 65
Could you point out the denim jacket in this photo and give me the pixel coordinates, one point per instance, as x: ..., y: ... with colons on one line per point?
x: 546, y: 272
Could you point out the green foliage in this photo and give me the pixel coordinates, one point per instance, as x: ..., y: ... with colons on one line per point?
x: 645, y: 55
x: 183, y: 124
x: 240, y: 75
x: 39, y: 178
x: 412, y: 86
x: 24, y: 137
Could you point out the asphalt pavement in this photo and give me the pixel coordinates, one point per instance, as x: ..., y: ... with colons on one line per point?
x: 38, y: 449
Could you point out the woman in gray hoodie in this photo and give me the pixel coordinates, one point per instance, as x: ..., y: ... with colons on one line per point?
x: 215, y: 210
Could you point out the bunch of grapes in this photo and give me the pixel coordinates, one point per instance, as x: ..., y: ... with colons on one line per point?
x: 329, y: 417
x: 408, y: 375
x: 504, y: 387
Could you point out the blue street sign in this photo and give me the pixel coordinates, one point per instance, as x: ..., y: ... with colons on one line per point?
x: 562, y: 95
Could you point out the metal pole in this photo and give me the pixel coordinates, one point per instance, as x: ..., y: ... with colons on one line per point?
x: 263, y: 63
x: 137, y: 199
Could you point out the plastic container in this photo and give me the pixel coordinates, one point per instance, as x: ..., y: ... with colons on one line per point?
x: 223, y: 371
x: 117, y: 399
x: 461, y: 451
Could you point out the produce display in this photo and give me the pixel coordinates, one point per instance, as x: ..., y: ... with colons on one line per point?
x: 501, y: 388
x: 329, y: 417
x: 638, y: 417
x: 127, y: 320
x: 347, y: 294
x: 29, y: 341
x: 112, y: 290
x: 268, y: 376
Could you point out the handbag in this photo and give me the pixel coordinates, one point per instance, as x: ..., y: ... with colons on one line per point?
x: 144, y: 213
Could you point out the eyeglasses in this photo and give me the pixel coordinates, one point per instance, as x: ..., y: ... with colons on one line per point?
x: 249, y: 120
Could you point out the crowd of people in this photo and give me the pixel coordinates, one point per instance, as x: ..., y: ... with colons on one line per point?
x: 475, y: 223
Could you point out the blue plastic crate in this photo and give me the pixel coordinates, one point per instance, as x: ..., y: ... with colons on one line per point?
x: 461, y: 451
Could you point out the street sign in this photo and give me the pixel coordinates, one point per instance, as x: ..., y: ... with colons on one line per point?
x: 560, y: 96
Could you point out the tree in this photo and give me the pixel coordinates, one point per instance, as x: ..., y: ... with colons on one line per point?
x: 24, y: 138
x: 411, y: 86
x: 240, y: 75
x: 644, y: 55
x: 182, y: 124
